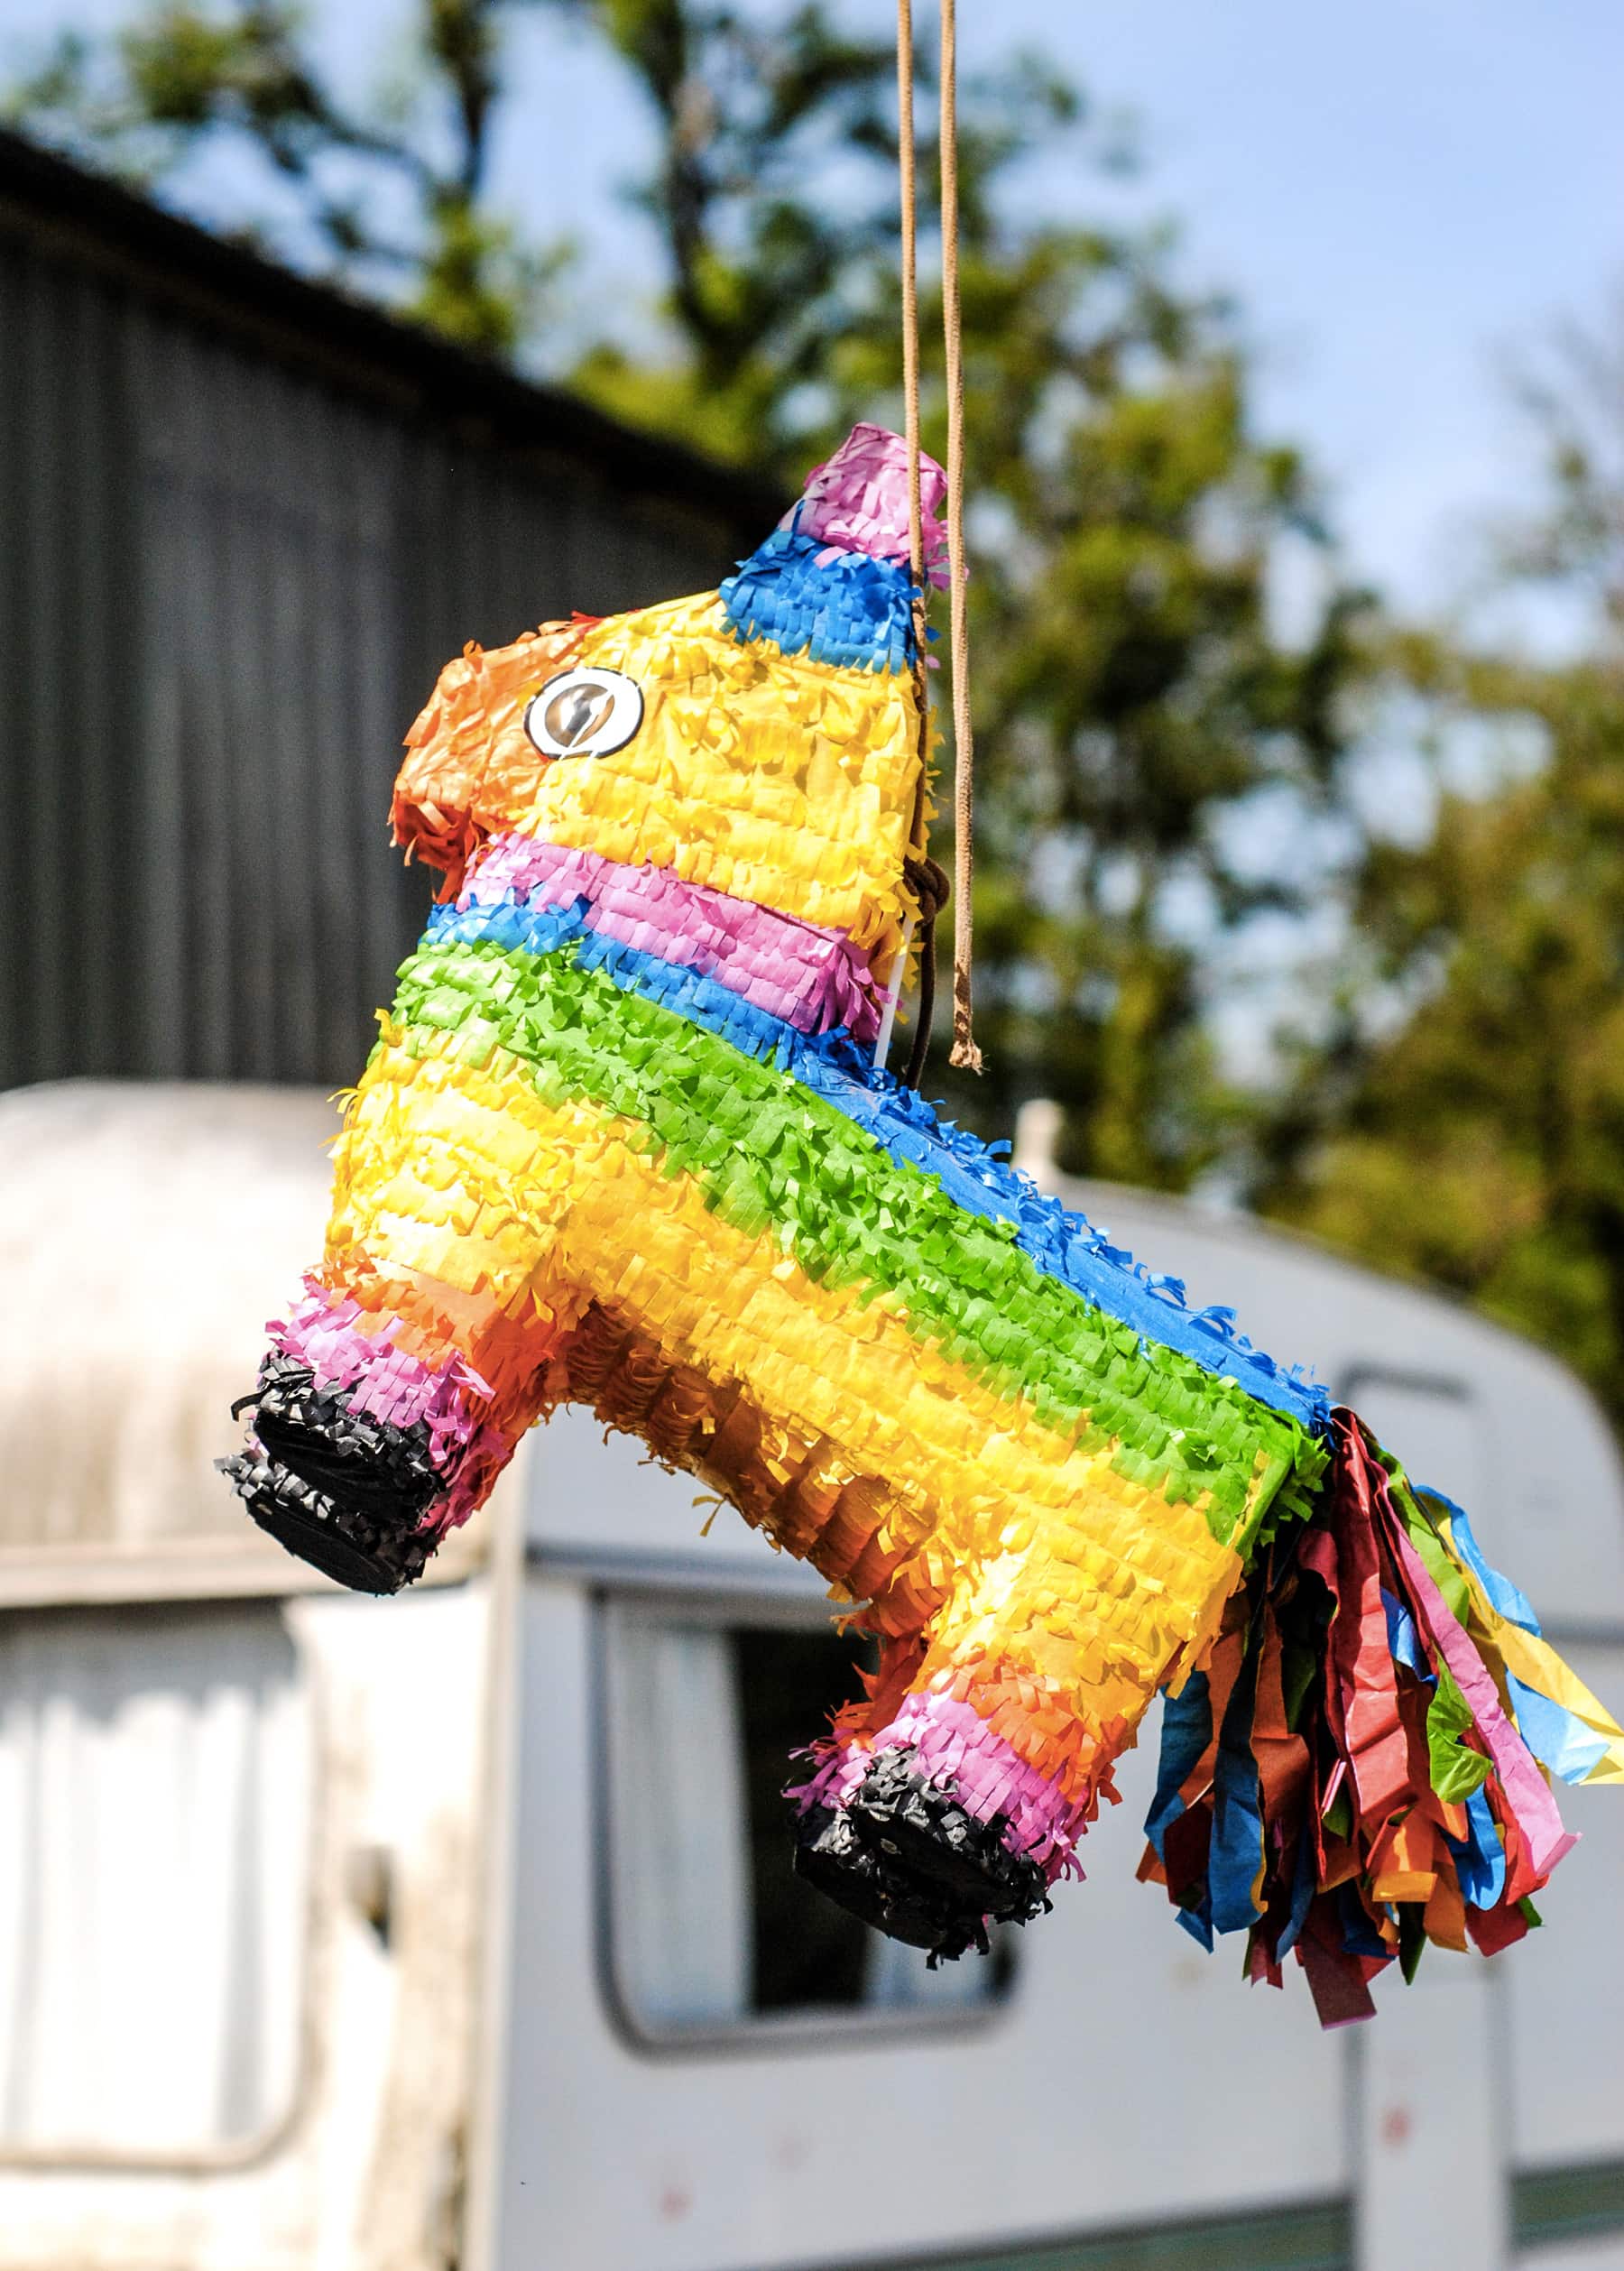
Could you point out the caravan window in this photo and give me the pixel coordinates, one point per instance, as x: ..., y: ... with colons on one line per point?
x: 708, y: 1927
x: 154, y: 1816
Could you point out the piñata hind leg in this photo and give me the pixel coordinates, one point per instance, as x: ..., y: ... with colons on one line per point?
x: 1357, y: 1768
x: 396, y: 1389
x: 956, y: 1791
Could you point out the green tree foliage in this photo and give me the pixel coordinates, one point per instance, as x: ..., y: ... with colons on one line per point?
x: 1473, y: 1132
x: 1135, y: 711
x: 1132, y: 705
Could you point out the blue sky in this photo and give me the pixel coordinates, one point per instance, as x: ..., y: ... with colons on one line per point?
x: 1403, y: 193
x: 1402, y: 196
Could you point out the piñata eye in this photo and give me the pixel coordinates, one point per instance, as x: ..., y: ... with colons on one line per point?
x: 585, y: 713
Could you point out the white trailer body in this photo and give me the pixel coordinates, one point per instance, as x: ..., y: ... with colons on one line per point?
x: 337, y: 1933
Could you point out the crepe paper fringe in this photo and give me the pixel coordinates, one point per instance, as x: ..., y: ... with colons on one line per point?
x: 391, y: 1383
x: 954, y: 1750
x: 1561, y: 1723
x: 775, y: 1155
x: 471, y: 769
x: 741, y: 946
x: 1063, y: 1245
x: 466, y: 1446
x: 813, y: 980
x: 1344, y: 1780
x: 816, y: 1411
x: 771, y: 777
x: 804, y: 596
x: 858, y: 500
x: 621, y: 1143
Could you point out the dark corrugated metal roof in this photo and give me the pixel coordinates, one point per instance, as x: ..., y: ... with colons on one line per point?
x: 245, y: 521
x: 174, y: 262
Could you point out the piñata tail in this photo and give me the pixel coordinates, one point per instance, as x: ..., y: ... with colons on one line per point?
x: 623, y: 1143
x: 1357, y: 1767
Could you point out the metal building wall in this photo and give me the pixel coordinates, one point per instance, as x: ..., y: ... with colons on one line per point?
x: 226, y: 584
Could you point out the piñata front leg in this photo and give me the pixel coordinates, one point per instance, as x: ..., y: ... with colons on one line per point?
x: 396, y: 1389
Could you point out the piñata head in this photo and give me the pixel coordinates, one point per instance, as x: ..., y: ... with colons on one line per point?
x: 623, y: 1143
x: 760, y: 743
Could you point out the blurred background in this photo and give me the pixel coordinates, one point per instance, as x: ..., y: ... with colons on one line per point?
x: 332, y: 337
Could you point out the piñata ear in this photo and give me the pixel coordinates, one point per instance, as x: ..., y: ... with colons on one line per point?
x: 471, y: 768
x: 832, y: 581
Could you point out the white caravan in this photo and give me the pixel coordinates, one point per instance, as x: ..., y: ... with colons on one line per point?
x: 339, y: 1934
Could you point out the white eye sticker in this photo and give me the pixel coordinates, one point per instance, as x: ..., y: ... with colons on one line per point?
x: 585, y: 713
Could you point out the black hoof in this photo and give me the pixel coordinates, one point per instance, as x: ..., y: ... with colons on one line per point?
x: 343, y: 1490
x: 341, y: 1541
x: 348, y: 1455
x: 910, y: 1860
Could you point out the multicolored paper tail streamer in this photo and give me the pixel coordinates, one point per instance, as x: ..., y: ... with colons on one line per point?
x: 622, y: 1142
x: 1356, y: 1769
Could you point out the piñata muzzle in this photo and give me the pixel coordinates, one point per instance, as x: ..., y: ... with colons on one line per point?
x: 623, y: 1143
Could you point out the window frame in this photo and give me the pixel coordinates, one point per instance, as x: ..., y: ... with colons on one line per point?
x: 674, y: 1589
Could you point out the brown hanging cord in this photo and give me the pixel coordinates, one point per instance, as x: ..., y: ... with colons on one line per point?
x: 925, y: 878
x: 965, y: 1054
x: 918, y: 859
x: 911, y: 300
x: 928, y: 885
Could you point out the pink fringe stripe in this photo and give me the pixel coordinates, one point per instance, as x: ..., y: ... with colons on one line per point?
x: 955, y: 1747
x: 813, y: 978
x: 858, y: 501
x: 392, y: 1385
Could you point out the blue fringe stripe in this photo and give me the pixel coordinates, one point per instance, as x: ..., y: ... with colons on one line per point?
x: 807, y: 597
